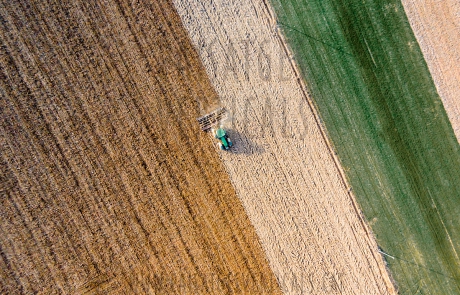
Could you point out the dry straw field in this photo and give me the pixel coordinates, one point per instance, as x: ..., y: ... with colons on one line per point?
x: 436, y: 24
x: 107, y: 185
x: 282, y: 166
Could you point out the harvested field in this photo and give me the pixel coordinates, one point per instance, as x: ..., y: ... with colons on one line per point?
x: 436, y: 24
x: 375, y: 94
x: 107, y: 184
x: 281, y: 166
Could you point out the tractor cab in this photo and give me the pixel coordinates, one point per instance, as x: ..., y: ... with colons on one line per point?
x: 225, y: 142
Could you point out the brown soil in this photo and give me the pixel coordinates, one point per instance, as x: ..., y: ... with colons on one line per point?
x: 282, y: 167
x: 436, y: 25
x: 107, y: 185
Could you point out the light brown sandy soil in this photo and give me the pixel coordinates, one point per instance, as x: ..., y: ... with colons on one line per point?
x: 436, y: 25
x: 107, y: 185
x: 283, y: 170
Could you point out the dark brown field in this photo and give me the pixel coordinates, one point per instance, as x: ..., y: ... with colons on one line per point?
x: 107, y: 185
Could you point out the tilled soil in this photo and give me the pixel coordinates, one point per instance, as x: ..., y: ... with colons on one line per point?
x: 107, y: 184
x: 282, y: 166
x: 436, y: 25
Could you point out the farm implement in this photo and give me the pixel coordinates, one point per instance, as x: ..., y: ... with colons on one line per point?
x: 213, y: 122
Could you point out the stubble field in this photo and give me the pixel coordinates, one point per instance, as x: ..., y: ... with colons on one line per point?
x: 437, y: 28
x: 107, y: 185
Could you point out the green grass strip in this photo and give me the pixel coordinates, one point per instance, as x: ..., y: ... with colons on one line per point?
x: 374, y: 92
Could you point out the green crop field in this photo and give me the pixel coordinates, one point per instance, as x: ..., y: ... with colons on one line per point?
x: 371, y: 85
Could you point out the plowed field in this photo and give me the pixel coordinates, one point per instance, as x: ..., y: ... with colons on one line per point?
x: 107, y: 185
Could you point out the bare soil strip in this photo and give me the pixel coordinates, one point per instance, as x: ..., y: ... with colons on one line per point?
x: 282, y: 167
x: 436, y: 25
x: 107, y: 184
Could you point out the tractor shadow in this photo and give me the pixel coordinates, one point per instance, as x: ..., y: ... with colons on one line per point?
x: 243, y: 145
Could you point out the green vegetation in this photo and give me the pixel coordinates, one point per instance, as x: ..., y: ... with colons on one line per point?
x: 376, y: 97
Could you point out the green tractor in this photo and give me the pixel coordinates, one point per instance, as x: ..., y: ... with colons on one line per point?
x: 213, y: 119
x: 225, y: 142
